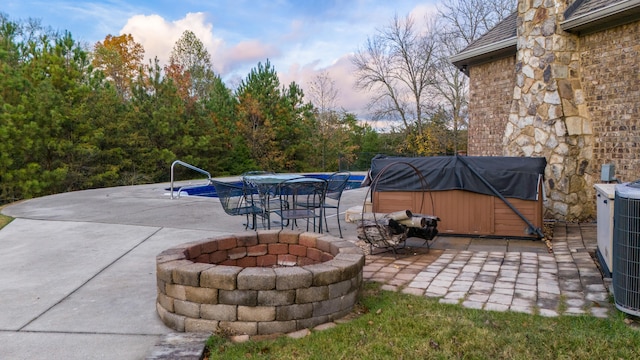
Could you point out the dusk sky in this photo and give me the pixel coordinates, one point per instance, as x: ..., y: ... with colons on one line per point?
x: 300, y: 38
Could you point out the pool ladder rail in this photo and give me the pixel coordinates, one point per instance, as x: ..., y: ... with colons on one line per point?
x: 188, y: 166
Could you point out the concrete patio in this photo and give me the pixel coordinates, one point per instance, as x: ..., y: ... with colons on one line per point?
x: 67, y: 262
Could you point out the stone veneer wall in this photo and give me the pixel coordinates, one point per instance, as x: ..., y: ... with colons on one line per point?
x: 491, y: 88
x: 610, y: 70
x: 549, y: 116
x: 575, y: 102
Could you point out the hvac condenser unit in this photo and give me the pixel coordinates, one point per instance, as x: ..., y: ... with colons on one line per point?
x: 626, y: 248
x: 605, y: 196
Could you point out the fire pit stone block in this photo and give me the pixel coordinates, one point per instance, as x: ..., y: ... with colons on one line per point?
x: 258, y: 282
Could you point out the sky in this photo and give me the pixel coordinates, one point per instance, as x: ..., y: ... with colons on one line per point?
x: 300, y: 38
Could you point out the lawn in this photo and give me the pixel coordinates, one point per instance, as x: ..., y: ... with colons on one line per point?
x: 4, y: 220
x: 398, y: 326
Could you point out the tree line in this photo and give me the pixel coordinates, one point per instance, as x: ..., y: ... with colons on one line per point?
x: 76, y: 117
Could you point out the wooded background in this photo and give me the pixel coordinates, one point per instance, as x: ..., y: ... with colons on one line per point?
x: 76, y: 117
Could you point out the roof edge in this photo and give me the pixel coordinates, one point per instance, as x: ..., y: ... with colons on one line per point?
x: 479, y: 53
x: 583, y: 21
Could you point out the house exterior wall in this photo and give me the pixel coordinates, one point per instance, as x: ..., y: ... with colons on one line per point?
x: 599, y: 120
x: 569, y: 97
x: 610, y: 76
x: 491, y: 90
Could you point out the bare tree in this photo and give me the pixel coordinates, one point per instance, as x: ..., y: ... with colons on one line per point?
x: 467, y: 20
x: 397, y: 66
x: 323, y: 94
x: 462, y: 22
x: 409, y: 73
x: 451, y: 87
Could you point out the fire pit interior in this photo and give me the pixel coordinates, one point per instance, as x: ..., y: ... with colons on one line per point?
x: 258, y: 282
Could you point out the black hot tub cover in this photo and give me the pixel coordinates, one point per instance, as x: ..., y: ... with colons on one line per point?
x: 514, y: 177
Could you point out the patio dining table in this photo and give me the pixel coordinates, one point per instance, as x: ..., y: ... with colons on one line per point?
x: 269, y: 180
x: 264, y: 185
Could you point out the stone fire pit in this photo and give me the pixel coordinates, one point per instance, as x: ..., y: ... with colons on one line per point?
x: 258, y: 282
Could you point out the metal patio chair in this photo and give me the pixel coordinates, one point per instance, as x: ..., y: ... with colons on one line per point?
x: 262, y: 192
x: 235, y: 201
x: 301, y: 198
x: 336, y: 183
x: 335, y: 186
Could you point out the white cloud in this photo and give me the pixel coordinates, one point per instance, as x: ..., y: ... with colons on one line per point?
x: 352, y: 99
x: 299, y: 48
x: 302, y: 61
x: 158, y: 35
x: 340, y: 72
x: 245, y: 53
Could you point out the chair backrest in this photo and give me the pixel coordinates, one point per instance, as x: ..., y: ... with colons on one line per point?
x: 306, y: 192
x: 231, y: 196
x: 336, y: 184
x: 251, y: 191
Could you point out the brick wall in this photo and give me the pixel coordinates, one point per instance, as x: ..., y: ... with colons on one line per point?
x: 610, y: 79
x: 491, y: 91
x: 610, y: 75
x: 604, y: 73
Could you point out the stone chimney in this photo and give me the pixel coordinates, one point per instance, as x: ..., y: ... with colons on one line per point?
x: 549, y: 116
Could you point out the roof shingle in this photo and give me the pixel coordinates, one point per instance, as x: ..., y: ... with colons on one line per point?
x: 505, y: 29
x: 599, y: 14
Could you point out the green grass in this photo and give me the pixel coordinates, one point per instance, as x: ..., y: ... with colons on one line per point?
x: 399, y: 326
x: 4, y: 220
